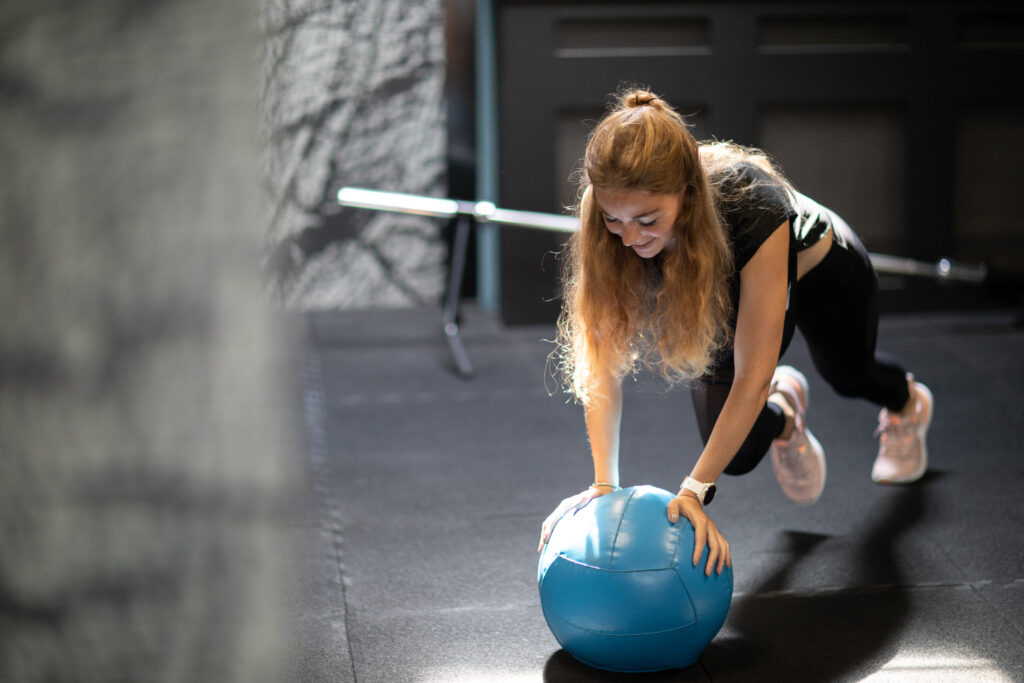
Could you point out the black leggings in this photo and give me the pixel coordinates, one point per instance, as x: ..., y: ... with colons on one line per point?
x: 836, y: 309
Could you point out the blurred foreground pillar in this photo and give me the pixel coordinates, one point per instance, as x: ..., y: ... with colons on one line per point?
x: 144, y: 418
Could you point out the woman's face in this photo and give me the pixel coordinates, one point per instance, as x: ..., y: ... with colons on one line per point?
x: 642, y: 220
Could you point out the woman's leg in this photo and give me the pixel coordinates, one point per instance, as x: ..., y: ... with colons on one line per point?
x: 837, y: 313
x: 709, y: 398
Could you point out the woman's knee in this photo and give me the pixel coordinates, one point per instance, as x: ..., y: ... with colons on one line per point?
x: 767, y: 427
x: 751, y: 452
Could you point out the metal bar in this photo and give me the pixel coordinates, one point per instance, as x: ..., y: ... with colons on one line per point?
x: 483, y: 212
x: 943, y: 269
x: 525, y: 219
x: 487, y: 212
x: 397, y: 202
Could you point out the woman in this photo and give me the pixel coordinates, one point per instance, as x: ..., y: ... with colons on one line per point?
x: 697, y: 262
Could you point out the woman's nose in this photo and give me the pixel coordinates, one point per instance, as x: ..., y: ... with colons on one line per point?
x: 631, y: 236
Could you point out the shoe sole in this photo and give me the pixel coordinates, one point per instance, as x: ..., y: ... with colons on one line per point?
x: 922, y: 433
x: 820, y: 454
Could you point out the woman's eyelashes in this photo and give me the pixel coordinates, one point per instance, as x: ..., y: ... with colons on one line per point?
x: 645, y: 223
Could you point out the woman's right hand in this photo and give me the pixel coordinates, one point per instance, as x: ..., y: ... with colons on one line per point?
x: 705, y: 533
x: 571, y: 503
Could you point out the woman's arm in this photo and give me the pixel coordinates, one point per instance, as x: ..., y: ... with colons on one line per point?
x: 759, y: 327
x: 604, y: 418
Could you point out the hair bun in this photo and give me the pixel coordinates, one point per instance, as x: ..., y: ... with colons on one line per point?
x: 639, y: 98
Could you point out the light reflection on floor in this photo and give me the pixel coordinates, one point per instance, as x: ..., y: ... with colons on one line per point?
x: 912, y: 667
x: 479, y: 676
x: 940, y: 667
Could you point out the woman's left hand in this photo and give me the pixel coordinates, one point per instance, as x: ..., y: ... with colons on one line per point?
x: 705, y: 532
x: 580, y: 500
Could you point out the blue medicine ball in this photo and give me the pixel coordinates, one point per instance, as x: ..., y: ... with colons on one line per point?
x: 618, y: 586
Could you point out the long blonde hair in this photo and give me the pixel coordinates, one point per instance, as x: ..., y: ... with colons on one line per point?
x: 618, y: 311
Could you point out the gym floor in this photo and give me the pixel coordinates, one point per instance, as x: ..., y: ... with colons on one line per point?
x: 426, y: 491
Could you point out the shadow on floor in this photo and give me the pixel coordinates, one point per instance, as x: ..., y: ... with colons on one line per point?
x: 776, y: 633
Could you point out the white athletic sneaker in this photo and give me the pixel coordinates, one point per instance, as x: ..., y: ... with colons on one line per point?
x: 799, y: 461
x: 902, y: 450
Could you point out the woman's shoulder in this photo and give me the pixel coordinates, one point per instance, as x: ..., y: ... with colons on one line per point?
x: 745, y: 183
x: 753, y: 203
x: 747, y: 190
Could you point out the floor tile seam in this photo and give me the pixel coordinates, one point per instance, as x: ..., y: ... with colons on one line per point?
x: 315, y: 409
x: 428, y: 340
x: 875, y: 588
x: 382, y: 613
x: 426, y: 397
x: 528, y: 347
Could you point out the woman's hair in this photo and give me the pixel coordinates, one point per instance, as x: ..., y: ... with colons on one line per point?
x: 619, y: 311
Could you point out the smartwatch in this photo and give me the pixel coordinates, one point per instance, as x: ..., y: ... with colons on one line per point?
x: 705, y: 492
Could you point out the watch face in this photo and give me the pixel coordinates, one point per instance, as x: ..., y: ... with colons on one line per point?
x: 709, y: 495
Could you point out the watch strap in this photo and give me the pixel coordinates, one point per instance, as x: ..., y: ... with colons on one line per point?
x: 699, y: 488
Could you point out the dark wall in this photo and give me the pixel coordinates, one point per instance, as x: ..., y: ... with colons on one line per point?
x: 905, y: 118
